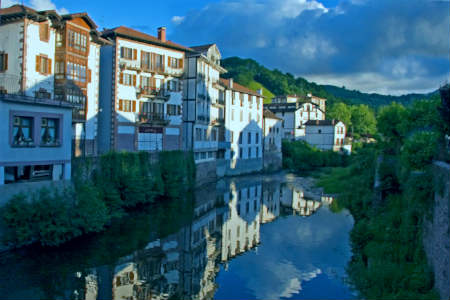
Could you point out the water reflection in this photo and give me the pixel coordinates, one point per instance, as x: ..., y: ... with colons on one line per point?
x: 138, y: 259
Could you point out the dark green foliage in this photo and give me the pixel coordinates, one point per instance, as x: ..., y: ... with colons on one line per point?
x: 444, y: 109
x: 300, y: 156
x: 101, y: 191
x: 419, y: 150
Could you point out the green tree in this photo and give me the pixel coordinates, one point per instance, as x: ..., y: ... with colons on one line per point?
x: 363, y: 120
x: 341, y: 111
x: 393, y: 122
x: 419, y: 150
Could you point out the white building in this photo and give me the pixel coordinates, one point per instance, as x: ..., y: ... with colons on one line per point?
x: 326, y: 134
x: 243, y: 129
x: 203, y: 111
x: 47, y: 55
x: 273, y: 134
x: 140, y: 94
x: 295, y: 111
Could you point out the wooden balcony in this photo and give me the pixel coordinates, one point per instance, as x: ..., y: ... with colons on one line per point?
x: 152, y: 118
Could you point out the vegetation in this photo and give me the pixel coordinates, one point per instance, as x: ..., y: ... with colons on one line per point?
x: 102, y: 190
x: 299, y: 156
x: 249, y: 73
x: 388, y: 258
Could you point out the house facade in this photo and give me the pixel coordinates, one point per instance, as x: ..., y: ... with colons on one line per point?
x: 203, y: 111
x: 141, y: 91
x: 243, y: 129
x: 273, y: 134
x: 47, y: 55
x: 326, y: 134
x: 295, y: 111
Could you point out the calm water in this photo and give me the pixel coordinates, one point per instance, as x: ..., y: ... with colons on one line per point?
x: 243, y: 238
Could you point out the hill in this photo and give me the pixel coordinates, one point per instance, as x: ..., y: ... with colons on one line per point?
x: 274, y: 82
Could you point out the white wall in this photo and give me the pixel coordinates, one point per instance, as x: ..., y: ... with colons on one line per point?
x: 10, y: 36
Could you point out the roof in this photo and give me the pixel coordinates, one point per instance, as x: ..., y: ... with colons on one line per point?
x: 301, y: 97
x: 82, y: 15
x: 239, y: 88
x: 15, y: 9
x: 268, y: 114
x: 137, y: 35
x: 202, y: 48
x: 322, y: 122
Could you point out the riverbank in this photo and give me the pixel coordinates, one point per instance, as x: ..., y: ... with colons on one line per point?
x: 102, y: 189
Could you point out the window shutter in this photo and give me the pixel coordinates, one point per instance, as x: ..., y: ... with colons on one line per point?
x: 134, y: 80
x: 181, y: 63
x: 38, y: 63
x: 49, y: 69
x: 163, y: 63
x: 120, y: 105
x: 134, y: 106
x: 134, y: 54
x: 5, y: 61
x: 89, y: 75
x: 121, y: 78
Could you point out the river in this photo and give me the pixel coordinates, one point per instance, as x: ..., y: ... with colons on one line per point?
x: 253, y: 237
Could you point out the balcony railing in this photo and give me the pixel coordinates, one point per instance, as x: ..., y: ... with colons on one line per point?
x: 152, y: 117
x: 153, y: 92
x: 10, y: 90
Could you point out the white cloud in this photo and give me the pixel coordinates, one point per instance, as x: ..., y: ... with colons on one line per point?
x: 47, y: 5
x: 403, y: 41
x: 177, y: 19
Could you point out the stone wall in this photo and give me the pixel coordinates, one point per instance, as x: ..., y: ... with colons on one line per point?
x: 273, y: 161
x: 205, y: 172
x: 436, y: 237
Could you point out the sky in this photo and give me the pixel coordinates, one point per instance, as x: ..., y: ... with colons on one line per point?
x: 384, y: 46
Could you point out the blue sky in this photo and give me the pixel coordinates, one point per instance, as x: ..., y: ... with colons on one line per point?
x: 385, y: 46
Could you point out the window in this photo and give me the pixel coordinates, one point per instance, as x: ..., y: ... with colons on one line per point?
x: 241, y: 153
x: 203, y: 155
x: 127, y: 79
x: 3, y: 62
x: 173, y: 110
x: 176, y: 63
x: 249, y: 155
x: 257, y: 138
x: 23, y: 131
x: 76, y: 72
x: 240, y: 139
x: 43, y: 65
x: 319, y: 131
x: 249, y: 138
x: 249, y: 116
x: 49, y: 131
x: 241, y: 98
x: 173, y: 85
x: 128, y: 53
x: 127, y: 105
x: 257, y: 152
x: 44, y: 32
x: 152, y: 61
x: 232, y: 136
x: 77, y: 40
x: 232, y: 115
x: 214, y: 135
x: 59, y: 39
x: 241, y: 116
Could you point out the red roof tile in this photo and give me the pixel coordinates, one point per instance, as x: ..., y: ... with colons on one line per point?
x: 239, y: 88
x: 134, y: 34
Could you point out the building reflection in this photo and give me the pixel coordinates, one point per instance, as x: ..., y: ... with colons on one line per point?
x: 226, y: 223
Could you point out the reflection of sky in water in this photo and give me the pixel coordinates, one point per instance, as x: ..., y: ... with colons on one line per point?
x: 298, y: 258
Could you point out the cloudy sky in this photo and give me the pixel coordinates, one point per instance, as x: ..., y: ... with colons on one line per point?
x: 385, y: 46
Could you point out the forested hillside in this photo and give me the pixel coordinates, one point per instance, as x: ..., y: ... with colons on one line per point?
x: 250, y: 73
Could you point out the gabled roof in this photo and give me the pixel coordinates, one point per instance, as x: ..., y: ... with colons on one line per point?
x: 239, y: 88
x: 202, y: 48
x: 268, y: 114
x: 83, y: 16
x: 140, y: 36
x: 15, y: 9
x: 322, y: 122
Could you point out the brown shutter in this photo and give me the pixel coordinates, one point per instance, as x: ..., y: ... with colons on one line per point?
x: 134, y: 106
x: 38, y: 63
x: 120, y: 105
x: 6, y: 61
x: 134, y: 54
x: 141, y: 107
x: 89, y: 75
x: 134, y: 80
x: 163, y: 63
x: 142, y: 59
x: 181, y: 63
x: 49, y: 69
x: 121, y: 78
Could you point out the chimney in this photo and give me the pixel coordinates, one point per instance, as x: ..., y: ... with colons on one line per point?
x: 162, y: 34
x: 260, y: 91
x: 231, y: 83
